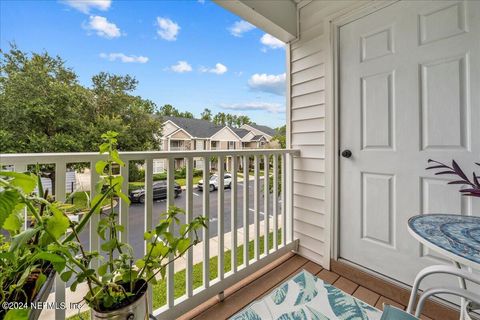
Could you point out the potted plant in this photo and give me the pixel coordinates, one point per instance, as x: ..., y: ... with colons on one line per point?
x: 29, y: 258
x: 117, y: 285
x: 28, y: 266
x: 473, y: 185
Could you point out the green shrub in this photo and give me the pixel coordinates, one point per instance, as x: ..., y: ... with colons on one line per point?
x: 135, y: 173
x: 179, y: 174
x: 197, y: 172
x: 160, y: 176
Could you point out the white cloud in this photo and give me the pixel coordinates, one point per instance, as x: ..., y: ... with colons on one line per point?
x: 86, y: 5
x: 124, y: 58
x: 240, y: 27
x: 167, y: 29
x: 268, y: 83
x: 219, y: 69
x: 103, y: 28
x: 255, y: 106
x: 181, y: 67
x: 271, y: 42
x: 201, y: 1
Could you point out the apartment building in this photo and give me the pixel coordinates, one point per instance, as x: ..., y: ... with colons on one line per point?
x: 184, y: 134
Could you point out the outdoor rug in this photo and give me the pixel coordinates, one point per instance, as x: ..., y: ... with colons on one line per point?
x: 305, y: 297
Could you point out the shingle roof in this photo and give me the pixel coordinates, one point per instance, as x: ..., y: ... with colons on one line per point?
x: 258, y: 137
x: 196, y: 127
x: 267, y: 130
x: 205, y: 129
x: 240, y: 132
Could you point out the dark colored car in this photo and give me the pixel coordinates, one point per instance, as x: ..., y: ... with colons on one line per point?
x: 159, y: 192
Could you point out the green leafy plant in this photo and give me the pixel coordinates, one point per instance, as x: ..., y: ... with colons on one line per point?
x: 30, y: 250
x: 120, y: 278
x: 51, y: 240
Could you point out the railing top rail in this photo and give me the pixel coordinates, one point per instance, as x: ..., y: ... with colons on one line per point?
x: 32, y: 158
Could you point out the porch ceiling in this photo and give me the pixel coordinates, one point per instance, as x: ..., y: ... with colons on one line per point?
x: 276, y: 17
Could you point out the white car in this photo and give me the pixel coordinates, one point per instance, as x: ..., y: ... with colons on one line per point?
x: 213, y: 182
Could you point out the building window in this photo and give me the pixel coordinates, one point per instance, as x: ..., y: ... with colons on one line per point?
x: 231, y: 144
x: 214, y: 144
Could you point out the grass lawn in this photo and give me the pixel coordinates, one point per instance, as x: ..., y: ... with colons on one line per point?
x: 183, y: 181
x: 80, y: 201
x: 160, y: 289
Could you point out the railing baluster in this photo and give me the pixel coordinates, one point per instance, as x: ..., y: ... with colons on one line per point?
x: 170, y: 203
x: 123, y: 205
x: 94, y: 240
x: 206, y: 214
x: 289, y: 203
x: 220, y: 212
x: 23, y: 168
x: 284, y: 200
x: 60, y: 195
x: 256, y: 206
x: 275, y: 202
x: 148, y: 214
x: 95, y: 218
x: 266, y: 203
x: 233, y: 222
x: 189, y: 217
x: 246, y: 209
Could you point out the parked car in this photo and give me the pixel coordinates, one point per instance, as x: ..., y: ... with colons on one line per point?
x: 213, y: 182
x: 159, y: 192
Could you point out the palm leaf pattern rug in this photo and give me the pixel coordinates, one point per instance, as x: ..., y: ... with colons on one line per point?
x: 306, y: 297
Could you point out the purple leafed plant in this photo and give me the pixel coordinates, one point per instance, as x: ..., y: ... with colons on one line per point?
x: 473, y: 188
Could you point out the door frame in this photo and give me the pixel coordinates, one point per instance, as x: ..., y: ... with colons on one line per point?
x: 333, y: 105
x: 335, y: 22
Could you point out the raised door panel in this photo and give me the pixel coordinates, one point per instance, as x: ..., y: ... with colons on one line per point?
x: 445, y: 103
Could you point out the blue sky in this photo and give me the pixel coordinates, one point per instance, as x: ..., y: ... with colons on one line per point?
x: 191, y: 54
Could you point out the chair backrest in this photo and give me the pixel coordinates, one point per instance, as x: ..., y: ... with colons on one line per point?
x: 392, y: 313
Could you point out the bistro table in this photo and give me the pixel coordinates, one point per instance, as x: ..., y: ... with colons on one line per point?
x: 457, y: 237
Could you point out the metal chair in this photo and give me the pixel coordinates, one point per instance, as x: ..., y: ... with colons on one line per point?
x: 470, y: 300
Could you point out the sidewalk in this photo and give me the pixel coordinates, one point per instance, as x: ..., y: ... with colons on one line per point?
x: 180, y: 264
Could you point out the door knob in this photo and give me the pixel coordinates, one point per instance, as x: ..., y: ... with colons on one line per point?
x: 346, y: 153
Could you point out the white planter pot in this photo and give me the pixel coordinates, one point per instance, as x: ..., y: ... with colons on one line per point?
x: 138, y: 310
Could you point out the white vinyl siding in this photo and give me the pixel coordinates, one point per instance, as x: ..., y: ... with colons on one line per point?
x: 224, y: 134
x: 309, y: 59
x: 159, y: 165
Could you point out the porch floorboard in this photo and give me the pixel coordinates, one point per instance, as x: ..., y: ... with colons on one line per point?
x: 268, y: 278
x: 265, y: 280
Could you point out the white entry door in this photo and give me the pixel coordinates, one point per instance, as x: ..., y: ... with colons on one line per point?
x: 409, y: 91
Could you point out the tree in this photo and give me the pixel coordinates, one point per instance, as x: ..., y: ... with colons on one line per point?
x: 186, y: 114
x: 281, y: 136
x: 120, y: 111
x: 229, y: 119
x: 168, y: 111
x: 220, y: 119
x: 50, y: 111
x: 45, y: 104
x: 206, y: 115
x: 241, y: 120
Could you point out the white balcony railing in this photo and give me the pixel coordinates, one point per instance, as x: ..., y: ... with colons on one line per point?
x: 180, y: 148
x: 276, y: 206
